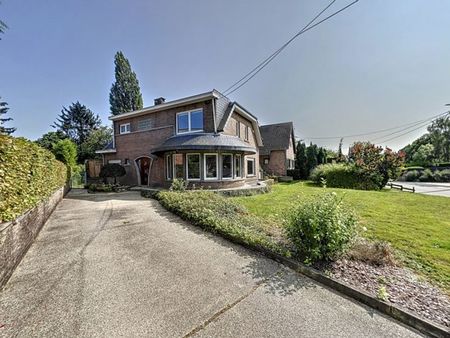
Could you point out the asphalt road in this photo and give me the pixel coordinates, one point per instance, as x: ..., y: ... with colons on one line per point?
x: 429, y: 188
x: 110, y: 265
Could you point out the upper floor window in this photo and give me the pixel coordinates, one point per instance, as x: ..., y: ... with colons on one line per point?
x: 125, y: 128
x: 144, y: 124
x: 246, y: 133
x: 238, y: 129
x: 191, y: 121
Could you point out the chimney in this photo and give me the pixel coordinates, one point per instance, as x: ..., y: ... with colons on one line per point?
x: 159, y: 100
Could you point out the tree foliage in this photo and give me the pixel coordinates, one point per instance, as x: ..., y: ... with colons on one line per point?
x: 3, y: 110
x: 49, y: 139
x: 97, y: 140
x: 77, y: 122
x: 424, y: 155
x: 66, y: 152
x: 125, y: 95
x: 300, y: 159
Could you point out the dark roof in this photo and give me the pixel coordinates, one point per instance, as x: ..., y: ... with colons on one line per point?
x: 276, y: 137
x: 203, y: 141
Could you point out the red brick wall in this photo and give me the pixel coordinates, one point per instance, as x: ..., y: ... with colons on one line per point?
x: 277, y: 163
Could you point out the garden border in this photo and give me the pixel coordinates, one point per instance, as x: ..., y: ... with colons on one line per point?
x: 403, y: 316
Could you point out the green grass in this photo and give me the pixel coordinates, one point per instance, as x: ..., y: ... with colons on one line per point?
x: 418, y: 226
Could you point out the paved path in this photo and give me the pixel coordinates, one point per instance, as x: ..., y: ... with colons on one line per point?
x: 110, y: 265
x: 429, y: 188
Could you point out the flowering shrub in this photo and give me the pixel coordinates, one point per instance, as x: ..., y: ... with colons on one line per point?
x: 321, y: 228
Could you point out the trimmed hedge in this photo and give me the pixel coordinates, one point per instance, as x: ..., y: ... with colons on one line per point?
x: 342, y: 175
x: 28, y: 175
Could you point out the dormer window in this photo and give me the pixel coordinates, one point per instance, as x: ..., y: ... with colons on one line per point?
x: 190, y: 121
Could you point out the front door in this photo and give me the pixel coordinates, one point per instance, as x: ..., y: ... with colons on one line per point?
x: 143, y: 164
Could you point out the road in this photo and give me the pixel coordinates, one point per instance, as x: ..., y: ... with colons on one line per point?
x: 429, y: 188
x: 110, y: 265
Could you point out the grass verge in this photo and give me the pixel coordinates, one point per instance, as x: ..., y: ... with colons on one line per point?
x: 417, y: 225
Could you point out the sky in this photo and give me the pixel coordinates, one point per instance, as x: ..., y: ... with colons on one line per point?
x: 379, y: 64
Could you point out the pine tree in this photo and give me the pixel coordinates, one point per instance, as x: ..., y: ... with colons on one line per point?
x: 340, y: 157
x: 300, y: 159
x: 77, y: 122
x: 3, y: 129
x: 125, y: 95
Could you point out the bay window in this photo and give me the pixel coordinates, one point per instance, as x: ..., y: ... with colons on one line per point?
x: 237, y: 166
x: 251, y: 167
x: 210, y: 166
x: 193, y: 166
x: 227, y: 166
x: 169, y: 167
x: 178, y: 161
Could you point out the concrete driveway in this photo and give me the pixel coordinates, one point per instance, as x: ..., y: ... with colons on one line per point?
x: 429, y: 188
x: 110, y: 265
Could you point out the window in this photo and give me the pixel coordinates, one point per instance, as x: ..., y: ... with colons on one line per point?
x: 169, y: 168
x: 125, y: 128
x: 227, y: 166
x: 178, y: 160
x: 126, y: 161
x: 191, y: 121
x: 193, y: 166
x: 237, y: 166
x: 251, y: 167
x: 290, y: 164
x: 238, y: 129
x: 210, y: 166
x: 246, y: 133
x: 144, y: 124
x: 266, y: 161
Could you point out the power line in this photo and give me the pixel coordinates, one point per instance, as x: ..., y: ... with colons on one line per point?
x: 270, y: 57
x: 276, y: 53
x: 410, y: 124
x: 408, y: 132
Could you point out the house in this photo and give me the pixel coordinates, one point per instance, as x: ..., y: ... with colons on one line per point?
x: 277, y: 155
x: 204, y: 139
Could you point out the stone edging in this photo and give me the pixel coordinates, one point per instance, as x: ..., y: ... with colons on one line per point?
x: 403, y: 316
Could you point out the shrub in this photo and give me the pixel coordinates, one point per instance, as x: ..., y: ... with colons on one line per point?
x: 342, y: 175
x: 220, y: 214
x: 66, y: 152
x: 426, y: 176
x: 112, y: 170
x: 178, y: 184
x: 442, y: 175
x: 321, y: 228
x: 100, y: 187
x: 28, y: 175
x: 296, y: 174
x: 412, y: 176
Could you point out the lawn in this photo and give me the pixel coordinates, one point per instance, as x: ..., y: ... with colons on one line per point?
x: 417, y: 225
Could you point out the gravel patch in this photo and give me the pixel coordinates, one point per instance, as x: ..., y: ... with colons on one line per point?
x: 404, y: 288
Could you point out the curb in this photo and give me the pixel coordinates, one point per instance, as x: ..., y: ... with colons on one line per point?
x: 403, y: 316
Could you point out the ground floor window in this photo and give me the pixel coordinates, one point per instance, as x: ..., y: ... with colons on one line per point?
x: 237, y: 165
x: 169, y: 167
x: 227, y: 166
x: 290, y: 164
x: 250, y: 167
x: 178, y: 160
x: 211, y: 166
x: 193, y: 166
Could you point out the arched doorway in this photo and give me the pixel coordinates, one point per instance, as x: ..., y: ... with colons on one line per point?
x: 143, y: 165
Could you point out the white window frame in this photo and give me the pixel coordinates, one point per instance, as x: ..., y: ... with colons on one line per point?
x: 221, y: 166
x: 188, y: 113
x: 237, y: 156
x: 127, y: 128
x: 238, y: 129
x: 199, y: 167
x: 246, y: 133
x: 217, y: 166
x: 114, y: 161
x: 254, y: 167
x: 169, y: 168
x: 266, y: 159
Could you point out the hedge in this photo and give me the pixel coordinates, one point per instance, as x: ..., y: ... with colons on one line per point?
x: 28, y: 175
